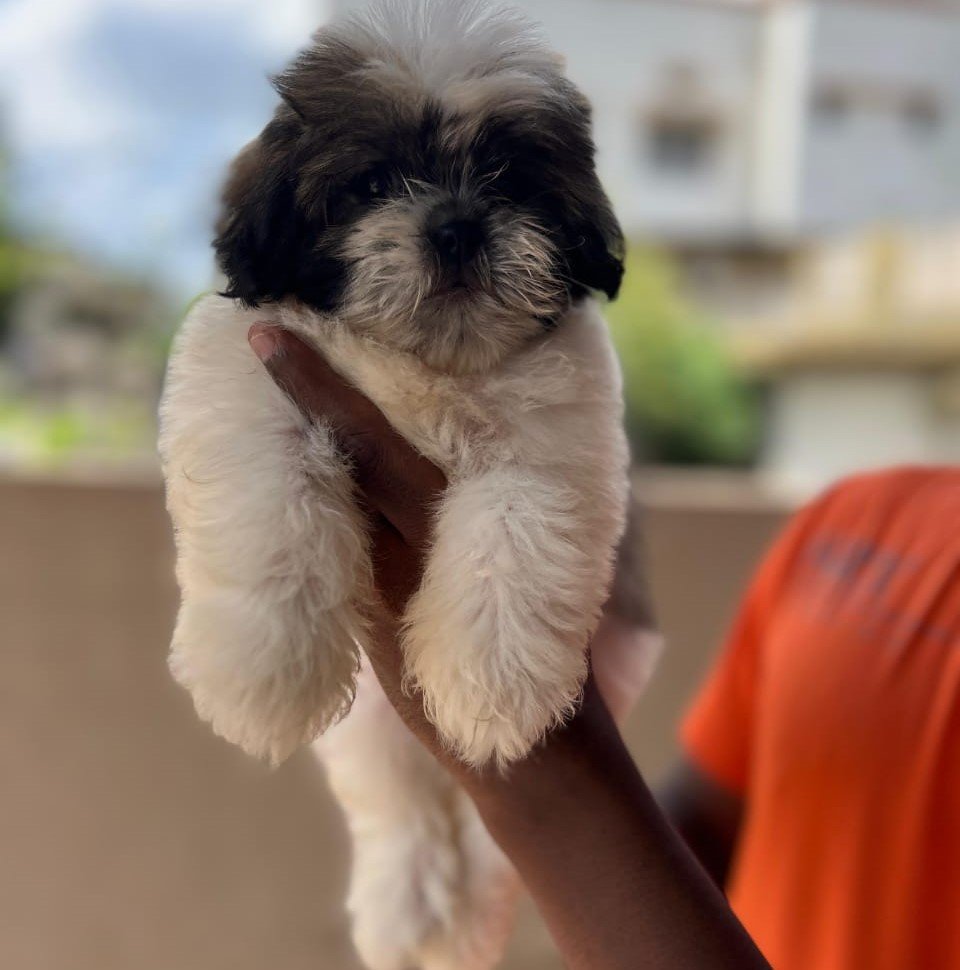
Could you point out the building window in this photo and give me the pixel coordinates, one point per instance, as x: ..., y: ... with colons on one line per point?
x: 832, y: 103
x: 681, y: 145
x: 919, y: 109
x: 922, y: 113
x: 680, y: 124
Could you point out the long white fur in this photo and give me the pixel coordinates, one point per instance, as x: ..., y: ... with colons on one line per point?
x: 429, y: 887
x: 272, y: 550
x: 275, y: 574
x: 274, y: 566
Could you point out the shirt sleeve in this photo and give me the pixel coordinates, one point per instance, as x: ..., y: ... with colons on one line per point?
x: 717, y: 731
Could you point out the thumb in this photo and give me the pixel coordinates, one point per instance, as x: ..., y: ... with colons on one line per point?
x: 395, y: 479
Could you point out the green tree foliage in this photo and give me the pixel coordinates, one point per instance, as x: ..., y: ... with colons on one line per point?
x: 21, y: 260
x: 4, y: 192
x: 18, y: 263
x: 686, y: 404
x: 12, y: 254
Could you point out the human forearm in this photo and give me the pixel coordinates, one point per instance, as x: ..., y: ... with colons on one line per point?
x: 614, y: 883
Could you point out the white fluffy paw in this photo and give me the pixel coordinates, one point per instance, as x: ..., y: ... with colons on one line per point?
x: 432, y: 898
x: 484, y: 721
x: 403, y: 896
x: 263, y: 681
x: 496, y: 637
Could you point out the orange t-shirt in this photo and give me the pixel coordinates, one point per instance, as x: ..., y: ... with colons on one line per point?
x: 834, y: 711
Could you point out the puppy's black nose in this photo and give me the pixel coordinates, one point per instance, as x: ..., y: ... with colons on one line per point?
x: 457, y: 241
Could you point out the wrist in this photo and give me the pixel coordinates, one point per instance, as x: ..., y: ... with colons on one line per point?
x: 541, y: 791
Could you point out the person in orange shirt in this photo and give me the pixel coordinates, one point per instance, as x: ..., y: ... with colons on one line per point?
x: 821, y: 778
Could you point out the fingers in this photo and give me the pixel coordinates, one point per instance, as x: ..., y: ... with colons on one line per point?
x: 396, y: 480
x: 627, y: 646
x: 623, y: 657
x: 630, y: 595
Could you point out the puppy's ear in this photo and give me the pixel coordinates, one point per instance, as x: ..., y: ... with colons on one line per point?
x: 260, y: 232
x: 595, y: 257
x: 595, y: 250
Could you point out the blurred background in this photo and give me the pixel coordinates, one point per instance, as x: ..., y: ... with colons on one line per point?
x: 788, y: 174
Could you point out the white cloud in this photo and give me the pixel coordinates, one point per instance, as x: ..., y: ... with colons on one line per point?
x: 280, y: 24
x: 45, y: 103
x: 47, y: 98
x: 122, y: 113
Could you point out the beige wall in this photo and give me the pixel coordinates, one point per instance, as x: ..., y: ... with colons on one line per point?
x: 130, y: 838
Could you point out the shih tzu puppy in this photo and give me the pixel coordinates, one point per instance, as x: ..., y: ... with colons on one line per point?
x: 425, y: 210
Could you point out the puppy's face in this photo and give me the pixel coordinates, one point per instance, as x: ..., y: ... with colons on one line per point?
x: 429, y: 178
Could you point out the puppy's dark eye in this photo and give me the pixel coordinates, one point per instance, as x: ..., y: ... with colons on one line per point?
x: 369, y: 186
x: 514, y: 182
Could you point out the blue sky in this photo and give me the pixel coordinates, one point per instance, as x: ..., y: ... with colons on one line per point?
x: 122, y: 114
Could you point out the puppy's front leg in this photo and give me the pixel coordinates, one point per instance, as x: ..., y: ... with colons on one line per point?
x: 497, y: 636
x: 272, y: 551
x: 429, y: 888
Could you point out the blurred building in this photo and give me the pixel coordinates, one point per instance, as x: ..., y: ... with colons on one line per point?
x: 81, y: 361
x: 77, y: 330
x: 738, y: 132
x: 731, y: 121
x: 863, y: 369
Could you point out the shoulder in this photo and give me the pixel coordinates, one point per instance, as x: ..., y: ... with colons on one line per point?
x: 583, y: 330
x: 213, y: 306
x: 214, y: 334
x: 211, y: 311
x: 210, y: 349
x: 888, y: 488
x: 877, y: 510
x: 575, y: 363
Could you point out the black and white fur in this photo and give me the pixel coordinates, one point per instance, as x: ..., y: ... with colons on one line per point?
x: 424, y: 208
